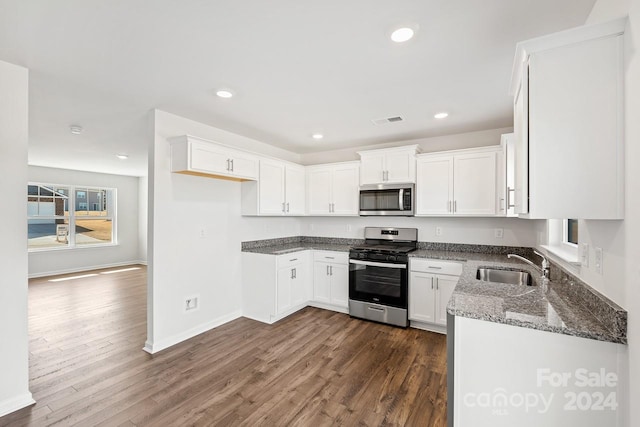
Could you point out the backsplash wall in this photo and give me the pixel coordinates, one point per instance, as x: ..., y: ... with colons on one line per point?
x: 516, y: 232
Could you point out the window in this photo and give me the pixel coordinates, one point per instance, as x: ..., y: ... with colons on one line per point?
x: 563, y: 239
x: 56, y: 220
x: 570, y: 231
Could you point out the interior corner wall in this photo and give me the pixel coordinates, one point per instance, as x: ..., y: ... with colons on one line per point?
x: 44, y: 263
x: 14, y: 339
x: 195, y: 235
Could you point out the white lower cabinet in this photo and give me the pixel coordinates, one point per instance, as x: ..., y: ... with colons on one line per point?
x: 331, y: 280
x: 275, y: 287
x: 431, y: 283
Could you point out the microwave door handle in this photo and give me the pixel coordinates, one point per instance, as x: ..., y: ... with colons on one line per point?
x: 401, y: 199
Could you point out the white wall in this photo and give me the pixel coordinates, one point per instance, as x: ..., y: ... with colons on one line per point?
x: 183, y: 264
x: 125, y: 252
x: 14, y: 344
x: 427, y: 145
x: 481, y: 231
x: 143, y: 212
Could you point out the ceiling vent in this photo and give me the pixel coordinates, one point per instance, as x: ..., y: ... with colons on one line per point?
x: 387, y: 120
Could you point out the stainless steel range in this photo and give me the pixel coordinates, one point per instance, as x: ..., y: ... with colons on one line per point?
x: 379, y: 275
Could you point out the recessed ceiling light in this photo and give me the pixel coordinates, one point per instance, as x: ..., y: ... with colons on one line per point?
x: 224, y: 93
x: 317, y: 136
x: 442, y: 115
x: 122, y: 156
x: 402, y: 35
x: 75, y: 129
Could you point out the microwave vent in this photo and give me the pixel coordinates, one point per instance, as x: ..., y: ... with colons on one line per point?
x: 386, y: 120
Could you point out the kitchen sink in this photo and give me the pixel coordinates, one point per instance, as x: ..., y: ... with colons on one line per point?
x: 513, y: 277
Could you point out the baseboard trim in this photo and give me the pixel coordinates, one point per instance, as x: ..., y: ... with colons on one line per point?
x: 428, y: 327
x: 88, y: 268
x: 153, y: 347
x: 15, y: 403
x: 331, y: 307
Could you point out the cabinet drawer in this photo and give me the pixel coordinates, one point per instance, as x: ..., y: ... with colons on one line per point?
x: 293, y: 258
x: 435, y: 266
x: 331, y: 256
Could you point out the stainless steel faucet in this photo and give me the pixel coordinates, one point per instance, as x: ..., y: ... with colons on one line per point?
x: 544, y: 270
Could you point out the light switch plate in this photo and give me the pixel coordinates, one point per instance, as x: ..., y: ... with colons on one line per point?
x: 598, y: 260
x: 584, y: 255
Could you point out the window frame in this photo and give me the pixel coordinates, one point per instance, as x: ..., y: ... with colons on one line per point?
x: 72, y: 217
x: 558, y: 242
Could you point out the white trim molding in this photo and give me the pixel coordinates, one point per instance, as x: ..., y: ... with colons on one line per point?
x: 13, y: 404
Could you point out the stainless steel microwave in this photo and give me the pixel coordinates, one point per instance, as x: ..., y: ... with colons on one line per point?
x: 387, y: 199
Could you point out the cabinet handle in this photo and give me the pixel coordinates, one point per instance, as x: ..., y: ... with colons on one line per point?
x: 228, y: 165
x: 231, y: 165
x: 331, y: 270
x: 329, y: 207
x: 282, y: 206
x: 327, y: 270
x: 293, y: 273
x: 330, y: 257
x: 287, y: 206
x: 455, y: 206
x: 333, y: 207
x: 434, y: 268
x: 509, y: 190
x: 432, y: 283
x: 437, y: 284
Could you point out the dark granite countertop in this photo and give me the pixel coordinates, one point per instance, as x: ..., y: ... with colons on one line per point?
x: 563, y: 305
x: 297, y: 247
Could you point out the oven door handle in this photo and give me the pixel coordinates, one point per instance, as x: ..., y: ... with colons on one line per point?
x: 378, y: 264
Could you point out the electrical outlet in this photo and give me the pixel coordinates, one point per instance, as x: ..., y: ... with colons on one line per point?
x: 584, y: 255
x: 202, y: 233
x: 438, y: 231
x: 191, y: 303
x: 499, y: 233
x: 598, y: 260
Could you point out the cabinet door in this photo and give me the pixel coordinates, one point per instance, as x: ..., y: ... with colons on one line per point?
x: 509, y: 142
x: 345, y: 184
x: 210, y: 158
x: 319, y: 191
x: 421, y: 297
x: 299, y: 285
x: 283, y: 291
x: 400, y: 167
x: 339, y: 274
x: 521, y: 145
x: 444, y: 289
x: 475, y: 184
x: 321, y: 282
x: 294, y: 190
x: 271, y: 187
x: 371, y: 169
x: 434, y: 186
x: 243, y: 165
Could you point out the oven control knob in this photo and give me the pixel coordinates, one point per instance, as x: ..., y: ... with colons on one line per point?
x: 391, y: 258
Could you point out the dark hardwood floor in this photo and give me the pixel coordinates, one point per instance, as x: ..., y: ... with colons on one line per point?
x: 313, y: 368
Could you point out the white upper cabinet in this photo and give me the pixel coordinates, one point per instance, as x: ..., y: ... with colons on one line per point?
x: 388, y: 165
x: 463, y: 182
x: 568, y: 112
x: 280, y: 190
x: 333, y: 189
x: 195, y: 156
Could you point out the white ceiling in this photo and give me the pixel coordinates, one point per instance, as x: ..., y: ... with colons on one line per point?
x: 297, y: 67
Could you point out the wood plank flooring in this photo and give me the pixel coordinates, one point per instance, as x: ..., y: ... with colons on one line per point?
x: 314, y: 368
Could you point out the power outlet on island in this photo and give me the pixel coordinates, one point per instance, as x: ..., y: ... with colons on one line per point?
x: 191, y: 303
x: 438, y: 231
